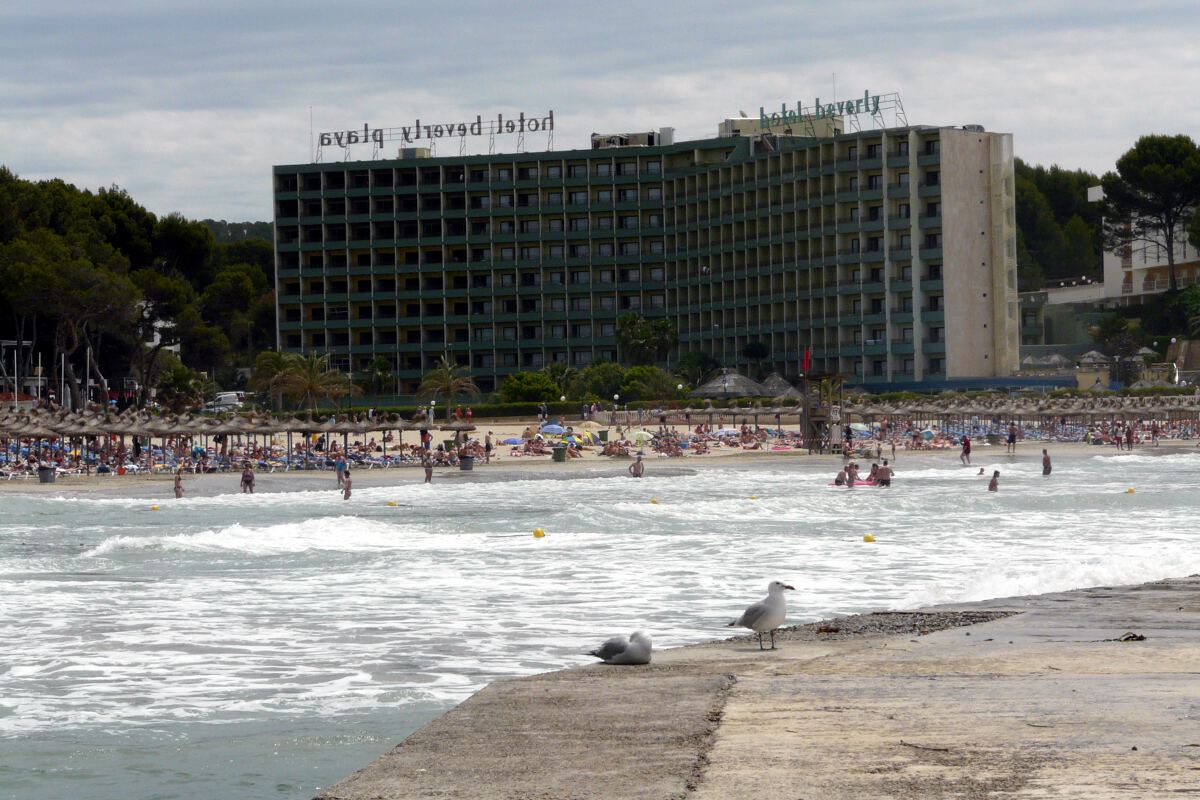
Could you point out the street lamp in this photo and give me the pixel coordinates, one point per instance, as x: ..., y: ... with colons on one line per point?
x: 432, y: 410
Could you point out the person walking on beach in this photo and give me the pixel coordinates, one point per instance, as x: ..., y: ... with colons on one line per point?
x: 637, y: 468
x: 965, y: 456
x: 247, y: 479
x: 487, y: 448
x: 346, y: 485
x: 179, y: 483
x: 994, y: 483
x: 1045, y: 462
x: 427, y: 463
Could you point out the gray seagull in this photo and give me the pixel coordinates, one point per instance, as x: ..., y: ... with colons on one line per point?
x: 767, y: 615
x: 619, y: 650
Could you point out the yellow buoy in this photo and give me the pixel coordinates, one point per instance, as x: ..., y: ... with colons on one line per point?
x: 870, y: 537
x: 753, y: 497
x: 1131, y: 490
x: 391, y: 503
x: 654, y: 500
x: 154, y: 508
x: 538, y: 533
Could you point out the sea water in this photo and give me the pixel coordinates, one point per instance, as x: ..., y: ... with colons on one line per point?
x: 266, y: 645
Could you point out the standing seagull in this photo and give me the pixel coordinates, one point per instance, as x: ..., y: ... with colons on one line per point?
x: 767, y: 615
x: 619, y: 650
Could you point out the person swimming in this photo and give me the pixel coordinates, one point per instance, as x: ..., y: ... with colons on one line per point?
x: 840, y: 480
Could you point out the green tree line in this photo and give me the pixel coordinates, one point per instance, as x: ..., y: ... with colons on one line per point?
x: 1059, y: 235
x: 95, y: 281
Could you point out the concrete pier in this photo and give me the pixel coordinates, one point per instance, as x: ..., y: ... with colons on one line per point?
x: 1049, y: 702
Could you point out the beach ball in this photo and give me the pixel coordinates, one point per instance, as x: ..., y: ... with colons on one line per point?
x: 538, y: 533
x: 870, y: 537
x: 1131, y: 490
x: 391, y: 503
x: 154, y: 508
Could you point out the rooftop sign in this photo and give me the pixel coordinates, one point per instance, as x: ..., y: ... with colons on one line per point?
x: 792, y: 117
x: 438, y: 129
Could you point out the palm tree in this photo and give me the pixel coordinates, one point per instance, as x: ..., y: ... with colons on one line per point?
x: 270, y: 370
x: 381, y: 373
x: 310, y: 378
x: 448, y: 381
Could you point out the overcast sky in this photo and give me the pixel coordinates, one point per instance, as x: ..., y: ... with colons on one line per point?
x: 188, y: 105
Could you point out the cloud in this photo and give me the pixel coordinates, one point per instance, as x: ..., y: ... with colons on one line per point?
x: 187, y: 106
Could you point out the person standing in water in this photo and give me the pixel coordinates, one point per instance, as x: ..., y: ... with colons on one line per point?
x: 965, y: 456
x: 1012, y: 438
x: 340, y: 466
x: 1045, y: 462
x: 637, y: 468
x: 346, y: 484
x: 994, y: 483
x: 247, y: 479
x: 427, y: 463
x: 179, y: 483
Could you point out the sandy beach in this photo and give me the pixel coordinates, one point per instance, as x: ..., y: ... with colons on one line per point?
x: 507, y: 467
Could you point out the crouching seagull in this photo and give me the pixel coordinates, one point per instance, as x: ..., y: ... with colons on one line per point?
x: 765, y: 616
x: 619, y: 650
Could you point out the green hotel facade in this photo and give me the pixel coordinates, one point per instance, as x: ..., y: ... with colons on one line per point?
x: 889, y: 254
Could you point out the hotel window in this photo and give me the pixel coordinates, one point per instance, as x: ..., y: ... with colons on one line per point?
x: 933, y: 147
x: 608, y: 329
x: 654, y: 193
x: 873, y: 150
x: 554, y: 172
x: 604, y: 276
x: 556, y: 251
x: 654, y: 167
x: 504, y: 174
x: 604, y: 195
x: 854, y: 214
x: 604, y: 249
x: 579, y: 251
x: 657, y: 301
x: 554, y: 225
x: 857, y: 337
x: 481, y: 307
x: 581, y: 303
x: 504, y: 200
x: 853, y: 182
x: 906, y: 272
x: 935, y: 302
x: 855, y: 245
x: 527, y: 173
x: 581, y: 331
x: 582, y: 357
x: 874, y: 181
x: 577, y: 171
x: 604, y: 223
x: 935, y: 366
x: 631, y: 275
x: 903, y: 210
x: 579, y: 223
x: 578, y: 198
x: 902, y: 147
x: 508, y: 253
x: 628, y: 195
x: 905, y: 241
x: 558, y: 304
x: 628, y: 222
x: 874, y: 244
x: 483, y: 334
x: 508, y: 279
x: 507, y: 226
x: 554, y: 199
x: 906, y: 303
x: 932, y: 177
x: 657, y: 274
x: 508, y: 333
x: 933, y: 240
x: 852, y: 152
x: 933, y: 209
x: 654, y: 221
x: 579, y: 277
x: 631, y: 249
x: 531, y: 253
x: 484, y: 360
x: 902, y: 178
x: 627, y: 168
x: 509, y: 359
x: 656, y: 247
x: 555, y: 278
x: 558, y: 331
x: 530, y: 226
x: 906, y: 334
x: 874, y: 212
x: 608, y: 302
x: 603, y: 170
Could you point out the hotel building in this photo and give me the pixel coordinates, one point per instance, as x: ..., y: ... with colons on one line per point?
x: 889, y: 254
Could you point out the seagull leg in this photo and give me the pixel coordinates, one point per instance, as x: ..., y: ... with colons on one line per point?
x: 772, y: 638
x: 760, y: 647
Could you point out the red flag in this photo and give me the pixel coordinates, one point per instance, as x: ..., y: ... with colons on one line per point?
x: 807, y: 358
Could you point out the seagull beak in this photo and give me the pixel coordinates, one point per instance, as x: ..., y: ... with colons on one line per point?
x: 793, y: 588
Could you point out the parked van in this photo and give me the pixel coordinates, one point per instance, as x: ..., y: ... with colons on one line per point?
x: 226, y: 401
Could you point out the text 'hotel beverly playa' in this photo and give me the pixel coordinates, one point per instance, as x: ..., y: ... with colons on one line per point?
x: 887, y: 251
